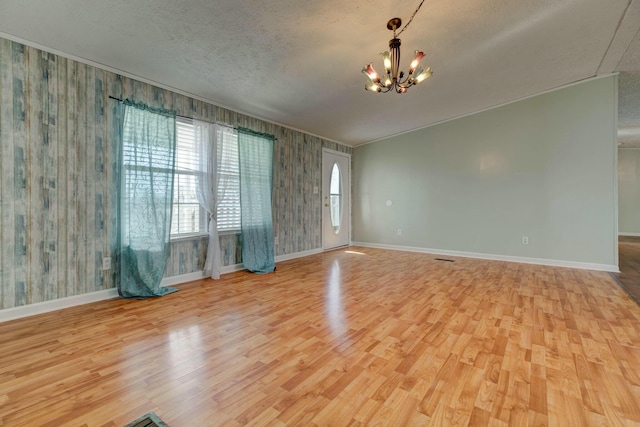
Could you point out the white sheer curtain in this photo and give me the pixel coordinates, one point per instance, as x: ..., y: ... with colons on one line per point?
x: 206, y: 139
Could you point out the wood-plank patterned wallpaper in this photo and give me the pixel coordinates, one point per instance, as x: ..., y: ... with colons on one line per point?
x: 57, y: 179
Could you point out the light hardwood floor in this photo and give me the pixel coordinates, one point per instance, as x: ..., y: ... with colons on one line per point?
x: 349, y: 337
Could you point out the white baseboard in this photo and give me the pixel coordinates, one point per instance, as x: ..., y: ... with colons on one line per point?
x: 231, y: 268
x: 279, y: 258
x: 523, y: 260
x: 182, y: 278
x: 300, y: 254
x: 57, y: 304
x: 623, y: 233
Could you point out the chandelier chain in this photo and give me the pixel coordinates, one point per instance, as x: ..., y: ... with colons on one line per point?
x: 410, y: 19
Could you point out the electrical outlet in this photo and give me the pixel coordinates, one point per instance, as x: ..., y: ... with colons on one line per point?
x: 315, y: 190
x: 106, y: 263
x: 275, y: 240
x: 399, y: 231
x: 525, y: 240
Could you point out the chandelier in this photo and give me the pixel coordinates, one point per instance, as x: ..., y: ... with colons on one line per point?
x: 393, y: 78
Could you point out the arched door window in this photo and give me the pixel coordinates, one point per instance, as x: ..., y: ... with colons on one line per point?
x: 335, y: 195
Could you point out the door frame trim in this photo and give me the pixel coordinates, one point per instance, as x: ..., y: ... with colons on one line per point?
x: 348, y: 156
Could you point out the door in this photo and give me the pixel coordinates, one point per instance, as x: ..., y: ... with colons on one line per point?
x: 336, y: 199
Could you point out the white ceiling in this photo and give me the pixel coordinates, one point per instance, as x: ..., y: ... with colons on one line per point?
x: 298, y: 62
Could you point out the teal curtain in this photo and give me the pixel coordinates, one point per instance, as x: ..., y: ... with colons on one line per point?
x: 145, y: 197
x: 255, y: 155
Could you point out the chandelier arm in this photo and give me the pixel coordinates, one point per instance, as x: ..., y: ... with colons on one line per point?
x: 410, y: 19
x: 406, y: 80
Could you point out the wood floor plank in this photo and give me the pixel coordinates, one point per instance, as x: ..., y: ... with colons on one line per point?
x: 348, y: 337
x: 629, y: 264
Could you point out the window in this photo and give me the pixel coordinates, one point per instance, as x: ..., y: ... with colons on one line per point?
x: 189, y: 217
x: 335, y: 196
x: 145, y: 186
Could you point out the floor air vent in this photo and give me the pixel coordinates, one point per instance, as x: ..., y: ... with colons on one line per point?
x: 147, y: 420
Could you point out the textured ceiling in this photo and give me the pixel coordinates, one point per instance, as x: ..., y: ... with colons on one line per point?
x: 298, y: 62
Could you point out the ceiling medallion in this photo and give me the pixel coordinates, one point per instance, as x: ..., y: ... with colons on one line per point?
x: 393, y: 78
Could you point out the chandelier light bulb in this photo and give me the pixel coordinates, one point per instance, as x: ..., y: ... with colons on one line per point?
x: 415, y: 74
x: 371, y: 73
x: 386, y: 59
x: 416, y: 60
x: 424, y: 75
x: 372, y: 86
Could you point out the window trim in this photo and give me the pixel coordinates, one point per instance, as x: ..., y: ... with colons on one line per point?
x: 188, y: 236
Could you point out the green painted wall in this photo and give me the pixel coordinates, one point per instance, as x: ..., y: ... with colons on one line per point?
x: 57, y: 182
x: 629, y: 191
x: 543, y: 167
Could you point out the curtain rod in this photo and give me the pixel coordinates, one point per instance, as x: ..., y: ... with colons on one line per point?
x: 191, y: 118
x: 120, y: 100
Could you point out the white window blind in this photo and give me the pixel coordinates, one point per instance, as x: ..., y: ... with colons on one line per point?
x: 188, y: 216
x: 229, y: 180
